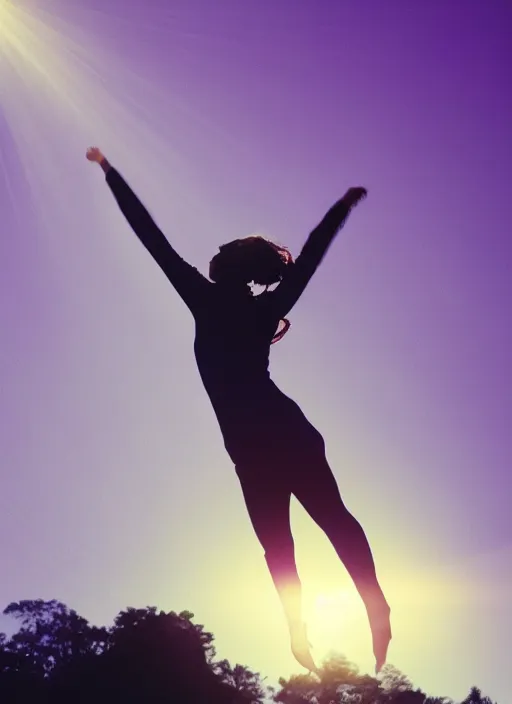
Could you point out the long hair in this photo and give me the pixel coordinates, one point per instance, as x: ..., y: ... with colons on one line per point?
x: 257, y: 260
x: 282, y: 329
x: 252, y: 259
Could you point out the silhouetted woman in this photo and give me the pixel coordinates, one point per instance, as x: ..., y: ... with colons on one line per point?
x: 275, y: 449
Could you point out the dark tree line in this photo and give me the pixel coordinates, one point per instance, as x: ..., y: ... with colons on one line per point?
x: 149, y: 656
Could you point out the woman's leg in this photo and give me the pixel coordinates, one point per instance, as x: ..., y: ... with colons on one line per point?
x: 268, y: 503
x: 316, y: 489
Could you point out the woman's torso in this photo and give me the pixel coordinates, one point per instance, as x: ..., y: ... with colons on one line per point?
x: 232, y: 349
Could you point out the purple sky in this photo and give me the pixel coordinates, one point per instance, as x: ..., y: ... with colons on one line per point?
x: 228, y: 118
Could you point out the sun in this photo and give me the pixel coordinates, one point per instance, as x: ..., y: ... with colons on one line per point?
x: 26, y: 38
x: 6, y: 10
x: 14, y: 31
x: 35, y: 59
x: 9, y: 19
x: 337, y: 623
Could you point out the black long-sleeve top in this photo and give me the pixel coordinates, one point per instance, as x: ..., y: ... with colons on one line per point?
x: 233, y: 331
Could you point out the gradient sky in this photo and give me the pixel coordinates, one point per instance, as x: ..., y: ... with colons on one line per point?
x: 228, y: 118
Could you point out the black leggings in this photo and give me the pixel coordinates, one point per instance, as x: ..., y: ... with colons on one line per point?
x: 267, y: 491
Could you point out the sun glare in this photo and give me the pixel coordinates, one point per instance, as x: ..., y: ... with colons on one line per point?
x: 335, y: 621
x: 7, y: 20
x: 29, y: 47
x: 13, y: 29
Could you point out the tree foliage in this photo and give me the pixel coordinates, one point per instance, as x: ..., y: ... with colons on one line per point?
x: 151, y: 656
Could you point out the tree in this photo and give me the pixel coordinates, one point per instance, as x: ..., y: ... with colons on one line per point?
x: 298, y: 689
x: 243, y: 681
x: 56, y: 656
x: 154, y: 657
x: 341, y: 683
x: 158, y: 655
x: 51, y: 634
x: 475, y: 697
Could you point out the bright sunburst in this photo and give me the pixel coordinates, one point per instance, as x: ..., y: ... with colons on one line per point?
x: 60, y: 90
x: 21, y: 36
x: 9, y: 24
x: 336, y: 622
x: 35, y: 56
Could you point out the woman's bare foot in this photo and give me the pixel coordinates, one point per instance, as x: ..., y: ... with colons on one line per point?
x: 301, y: 647
x: 379, y: 616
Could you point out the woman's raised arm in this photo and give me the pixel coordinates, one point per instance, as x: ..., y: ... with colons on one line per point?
x: 188, y: 282
x: 298, y: 275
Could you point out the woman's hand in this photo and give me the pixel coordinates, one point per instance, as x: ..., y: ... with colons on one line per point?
x: 354, y: 195
x: 94, y: 154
